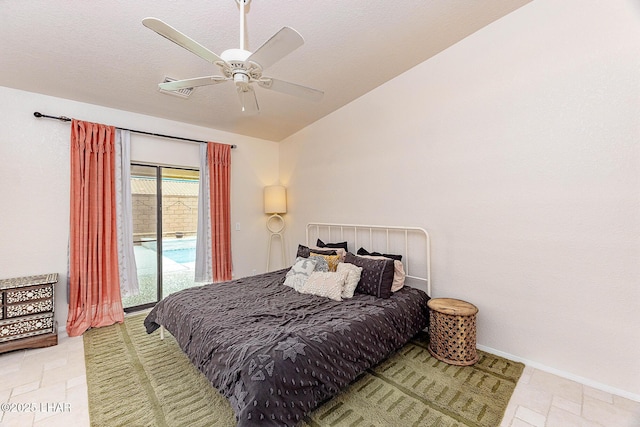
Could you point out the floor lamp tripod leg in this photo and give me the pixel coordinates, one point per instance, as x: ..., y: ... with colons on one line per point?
x: 269, y: 248
x: 284, y: 260
x: 269, y: 251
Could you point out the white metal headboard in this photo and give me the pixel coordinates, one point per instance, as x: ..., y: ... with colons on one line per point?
x: 381, y: 238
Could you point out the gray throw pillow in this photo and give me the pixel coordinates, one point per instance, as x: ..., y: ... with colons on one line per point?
x: 377, y: 275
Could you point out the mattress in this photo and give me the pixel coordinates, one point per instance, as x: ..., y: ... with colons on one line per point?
x: 276, y: 354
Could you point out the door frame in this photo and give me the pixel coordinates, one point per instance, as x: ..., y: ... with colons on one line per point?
x: 159, y: 249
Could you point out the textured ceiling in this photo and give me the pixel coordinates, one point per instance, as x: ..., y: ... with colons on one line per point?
x: 99, y: 52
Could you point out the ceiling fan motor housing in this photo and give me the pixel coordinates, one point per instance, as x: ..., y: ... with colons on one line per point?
x: 234, y: 66
x: 235, y: 55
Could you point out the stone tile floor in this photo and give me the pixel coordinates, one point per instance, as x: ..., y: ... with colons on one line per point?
x: 44, y: 387
x: 47, y: 387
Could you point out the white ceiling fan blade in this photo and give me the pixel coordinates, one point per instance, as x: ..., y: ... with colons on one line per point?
x: 180, y: 39
x: 248, y: 99
x: 277, y: 47
x: 291, y: 89
x: 198, y: 81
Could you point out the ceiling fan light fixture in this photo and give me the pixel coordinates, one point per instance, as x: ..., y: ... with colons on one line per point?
x: 240, y: 79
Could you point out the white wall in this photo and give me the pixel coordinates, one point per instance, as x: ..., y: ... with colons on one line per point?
x: 34, y: 182
x: 518, y: 149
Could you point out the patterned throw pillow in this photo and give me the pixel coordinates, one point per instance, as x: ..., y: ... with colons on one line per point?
x: 398, y: 272
x: 321, y: 263
x: 377, y: 275
x: 300, y: 271
x: 324, y: 284
x: 353, y: 277
x: 332, y: 260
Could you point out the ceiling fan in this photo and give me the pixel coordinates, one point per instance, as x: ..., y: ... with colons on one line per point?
x: 242, y: 67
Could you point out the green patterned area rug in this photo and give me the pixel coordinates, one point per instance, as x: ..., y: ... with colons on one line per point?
x: 135, y: 379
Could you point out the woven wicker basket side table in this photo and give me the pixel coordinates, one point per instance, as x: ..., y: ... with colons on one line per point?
x: 452, y: 331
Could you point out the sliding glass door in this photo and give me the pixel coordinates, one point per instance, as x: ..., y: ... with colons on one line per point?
x: 165, y: 218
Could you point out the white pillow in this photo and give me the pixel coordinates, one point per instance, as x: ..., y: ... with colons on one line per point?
x: 353, y: 277
x: 324, y: 284
x: 300, y: 271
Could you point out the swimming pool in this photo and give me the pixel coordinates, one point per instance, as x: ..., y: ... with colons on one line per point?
x: 181, y: 251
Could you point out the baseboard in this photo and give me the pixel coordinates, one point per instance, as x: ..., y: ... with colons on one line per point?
x: 582, y: 380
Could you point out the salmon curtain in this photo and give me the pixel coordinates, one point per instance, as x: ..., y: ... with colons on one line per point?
x: 219, y: 162
x: 94, y: 285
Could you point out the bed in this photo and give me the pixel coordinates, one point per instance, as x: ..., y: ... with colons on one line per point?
x: 275, y: 353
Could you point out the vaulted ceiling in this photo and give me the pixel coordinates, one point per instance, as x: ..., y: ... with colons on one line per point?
x: 99, y: 52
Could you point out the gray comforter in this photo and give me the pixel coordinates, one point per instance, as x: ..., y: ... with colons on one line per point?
x: 277, y: 354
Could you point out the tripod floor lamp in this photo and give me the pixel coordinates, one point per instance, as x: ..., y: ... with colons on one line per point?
x: 275, y: 203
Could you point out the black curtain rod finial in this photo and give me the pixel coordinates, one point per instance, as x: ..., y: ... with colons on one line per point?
x: 61, y: 118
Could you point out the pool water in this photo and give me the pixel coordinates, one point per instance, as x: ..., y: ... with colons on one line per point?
x: 181, y: 256
x: 181, y: 251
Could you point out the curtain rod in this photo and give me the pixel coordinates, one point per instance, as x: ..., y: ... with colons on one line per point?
x: 67, y: 119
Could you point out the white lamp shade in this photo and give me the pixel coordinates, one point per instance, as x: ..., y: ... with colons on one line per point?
x: 275, y: 199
